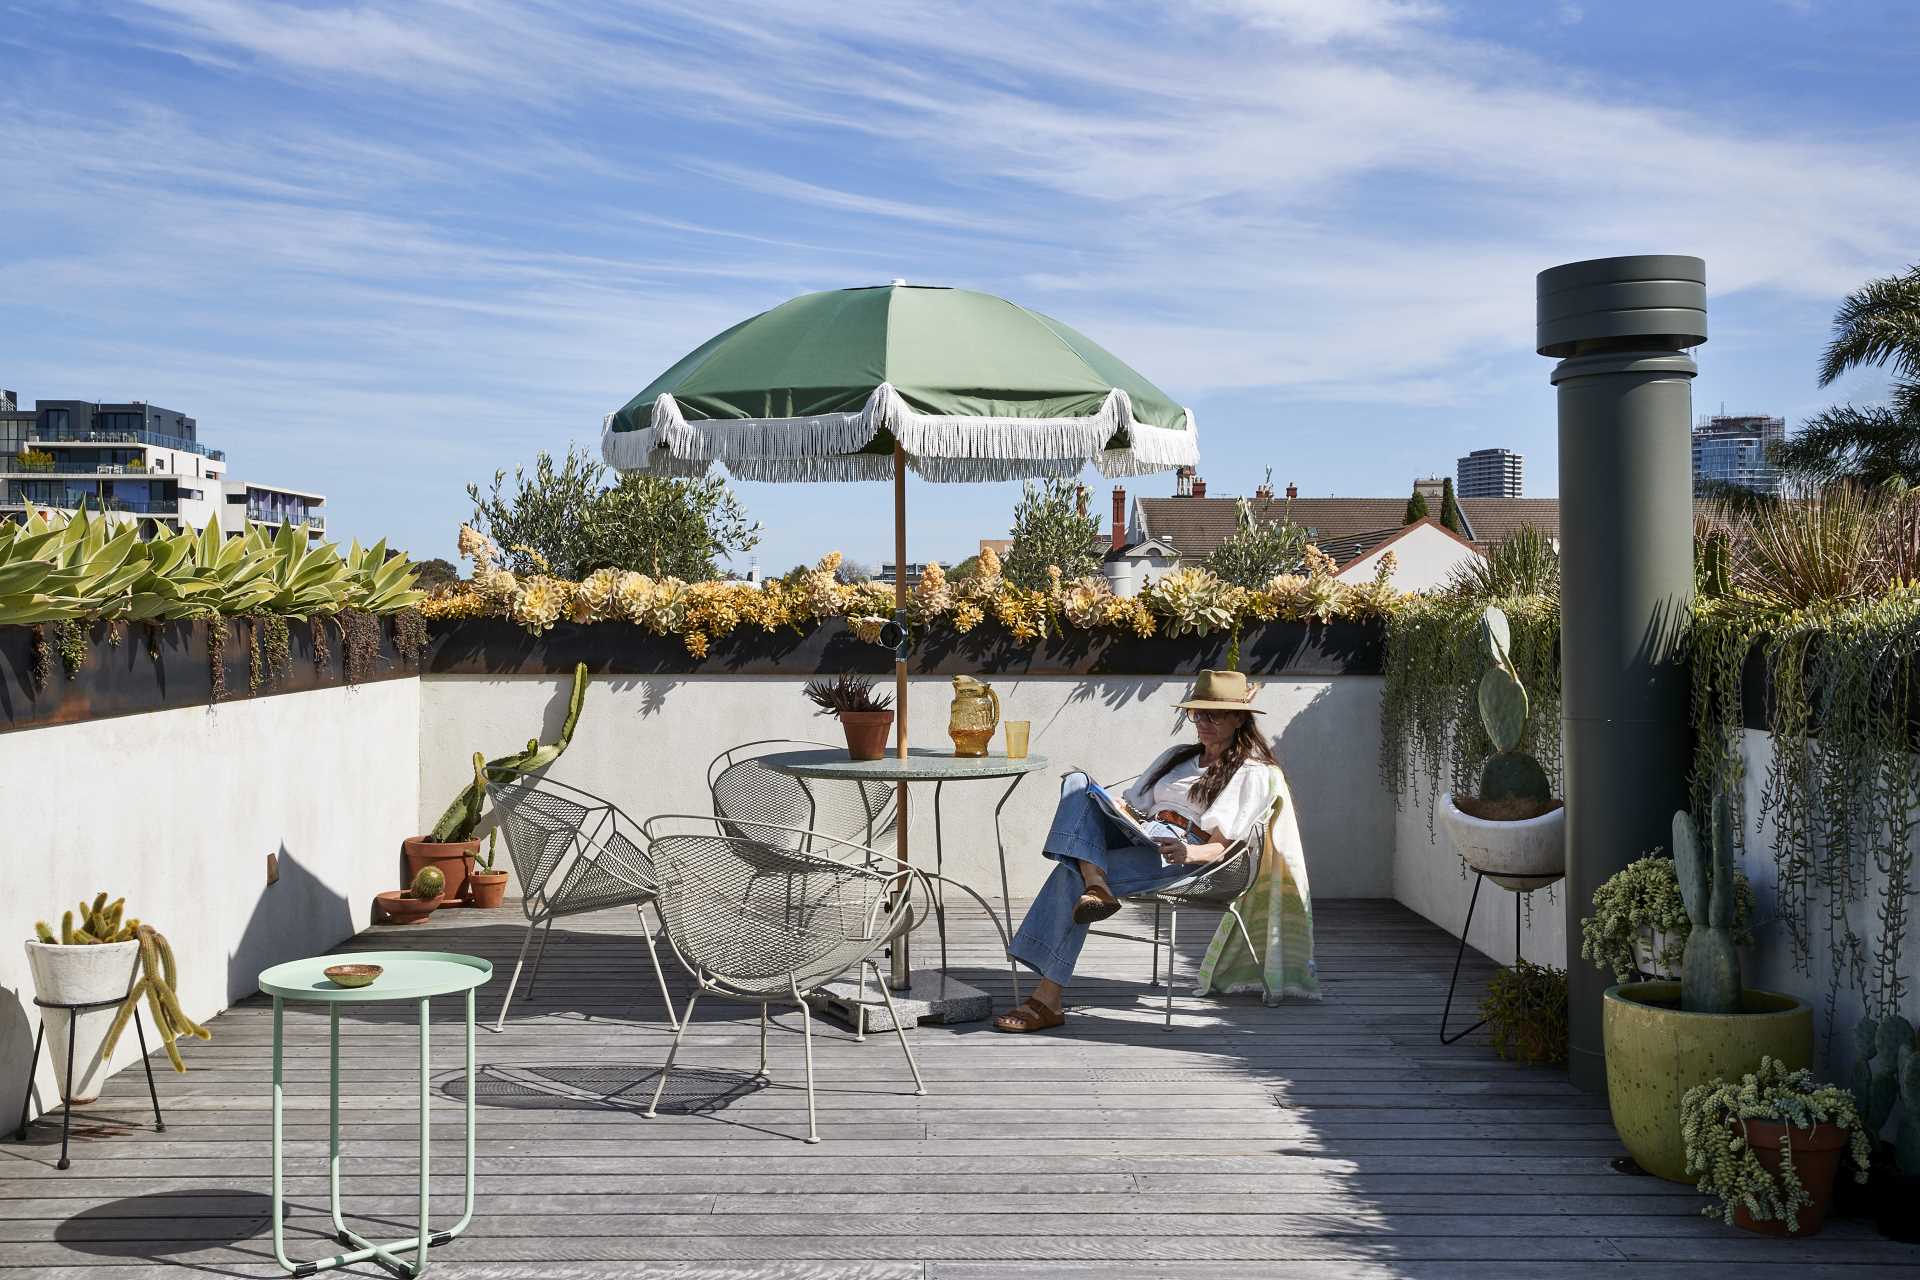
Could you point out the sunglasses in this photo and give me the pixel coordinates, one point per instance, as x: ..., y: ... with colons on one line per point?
x: 1213, y: 717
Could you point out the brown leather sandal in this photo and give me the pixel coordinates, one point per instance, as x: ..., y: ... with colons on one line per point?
x: 1029, y: 1015
x: 1095, y: 905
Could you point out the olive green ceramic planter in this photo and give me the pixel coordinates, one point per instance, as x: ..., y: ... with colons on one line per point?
x: 1655, y: 1053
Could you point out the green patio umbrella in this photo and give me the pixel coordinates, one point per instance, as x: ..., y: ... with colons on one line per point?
x: 870, y: 383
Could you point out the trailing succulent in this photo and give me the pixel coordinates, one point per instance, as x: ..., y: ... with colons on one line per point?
x: 1526, y: 1012
x: 102, y: 922
x: 1513, y: 783
x: 1710, y: 967
x: 1644, y: 896
x: 1713, y: 1124
x: 462, y: 818
x: 1886, y: 1074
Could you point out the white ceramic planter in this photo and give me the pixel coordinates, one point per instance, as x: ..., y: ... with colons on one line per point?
x: 1524, y: 855
x: 76, y: 975
x: 1647, y: 946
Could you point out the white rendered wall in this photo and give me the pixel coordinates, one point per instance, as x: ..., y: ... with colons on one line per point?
x: 644, y: 743
x: 178, y: 810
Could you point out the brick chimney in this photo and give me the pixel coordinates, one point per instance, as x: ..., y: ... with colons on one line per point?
x: 1183, y: 482
x: 1293, y: 491
x: 1119, y: 540
x: 1264, y: 493
x: 1199, y: 487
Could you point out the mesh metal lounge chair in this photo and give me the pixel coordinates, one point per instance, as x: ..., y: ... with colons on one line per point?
x: 572, y: 853
x: 1213, y: 886
x: 757, y: 920
x: 744, y: 788
x: 862, y: 813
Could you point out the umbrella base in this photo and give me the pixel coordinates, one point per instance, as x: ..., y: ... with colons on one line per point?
x: 933, y: 997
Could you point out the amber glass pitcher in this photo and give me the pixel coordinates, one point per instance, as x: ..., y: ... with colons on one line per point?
x: 975, y: 715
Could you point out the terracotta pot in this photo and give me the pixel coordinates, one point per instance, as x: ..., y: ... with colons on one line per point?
x: 489, y: 889
x: 395, y: 907
x: 1817, y: 1153
x: 453, y: 857
x: 867, y: 733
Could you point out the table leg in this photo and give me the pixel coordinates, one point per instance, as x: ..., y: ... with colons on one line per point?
x: 900, y: 963
x: 1006, y: 895
x: 939, y: 871
x: 360, y: 1247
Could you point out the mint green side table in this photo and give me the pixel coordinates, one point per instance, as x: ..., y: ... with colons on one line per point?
x: 407, y: 975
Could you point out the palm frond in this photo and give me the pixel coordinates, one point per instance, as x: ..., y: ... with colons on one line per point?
x: 1878, y: 324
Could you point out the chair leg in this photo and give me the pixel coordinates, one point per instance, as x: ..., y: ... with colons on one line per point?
x: 762, y: 1072
x: 539, y: 954
x: 1173, y: 941
x: 500, y: 1024
x: 919, y: 1089
x: 1246, y: 936
x: 1153, y: 976
x: 653, y: 954
x: 806, y: 1030
x: 653, y: 1108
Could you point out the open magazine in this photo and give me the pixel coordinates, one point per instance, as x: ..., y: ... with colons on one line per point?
x: 1113, y: 805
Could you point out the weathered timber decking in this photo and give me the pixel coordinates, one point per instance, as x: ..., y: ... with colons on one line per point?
x: 1335, y: 1140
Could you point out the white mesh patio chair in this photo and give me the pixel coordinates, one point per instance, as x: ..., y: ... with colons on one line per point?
x: 572, y: 853
x: 1212, y: 886
x: 743, y: 787
x: 757, y: 920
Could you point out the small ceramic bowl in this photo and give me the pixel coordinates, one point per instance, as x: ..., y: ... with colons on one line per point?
x: 352, y: 975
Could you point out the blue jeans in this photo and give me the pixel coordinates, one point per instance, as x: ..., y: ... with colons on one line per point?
x: 1048, y: 941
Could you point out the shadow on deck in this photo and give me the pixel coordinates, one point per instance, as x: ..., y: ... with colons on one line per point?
x: 1337, y: 1139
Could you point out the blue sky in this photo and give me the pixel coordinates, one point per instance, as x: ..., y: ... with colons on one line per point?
x: 384, y: 249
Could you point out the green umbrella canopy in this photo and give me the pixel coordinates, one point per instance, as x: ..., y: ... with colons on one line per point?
x: 972, y: 387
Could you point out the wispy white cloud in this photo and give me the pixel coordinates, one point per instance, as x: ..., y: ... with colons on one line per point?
x: 498, y: 220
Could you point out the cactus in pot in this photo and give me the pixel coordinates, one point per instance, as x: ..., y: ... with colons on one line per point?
x: 462, y: 817
x: 1710, y: 966
x: 1513, y: 783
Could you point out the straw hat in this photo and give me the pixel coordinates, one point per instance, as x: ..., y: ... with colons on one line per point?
x: 1222, y: 691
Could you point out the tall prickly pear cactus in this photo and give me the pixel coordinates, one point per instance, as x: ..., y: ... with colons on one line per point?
x: 1886, y: 1072
x: 1710, y: 967
x: 463, y: 815
x: 1510, y: 775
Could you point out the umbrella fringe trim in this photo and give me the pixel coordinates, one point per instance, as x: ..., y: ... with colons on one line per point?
x: 828, y: 446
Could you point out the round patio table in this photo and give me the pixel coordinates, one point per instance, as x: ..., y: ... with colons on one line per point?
x: 925, y: 764
x: 405, y: 975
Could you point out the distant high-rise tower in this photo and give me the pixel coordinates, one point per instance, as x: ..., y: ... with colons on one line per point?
x: 1731, y: 449
x: 1490, y: 473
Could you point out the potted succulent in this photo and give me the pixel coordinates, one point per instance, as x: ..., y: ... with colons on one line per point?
x: 1514, y: 830
x: 1769, y: 1146
x: 489, y: 887
x: 454, y: 843
x: 414, y: 903
x: 101, y: 956
x: 866, y: 717
x: 1662, y: 1039
x: 1526, y: 1012
x: 1639, y: 924
x: 1886, y: 1081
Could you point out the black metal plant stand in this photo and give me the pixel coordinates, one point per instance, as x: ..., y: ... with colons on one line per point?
x: 66, y: 1089
x: 1479, y: 878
